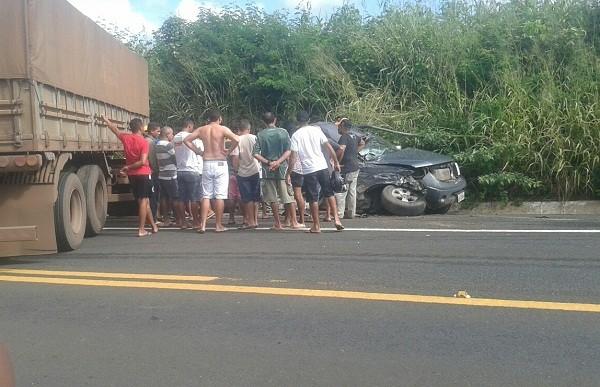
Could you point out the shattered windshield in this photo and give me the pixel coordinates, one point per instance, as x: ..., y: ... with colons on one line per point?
x: 375, y: 147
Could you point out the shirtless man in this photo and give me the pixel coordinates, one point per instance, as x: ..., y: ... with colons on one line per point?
x: 215, y: 172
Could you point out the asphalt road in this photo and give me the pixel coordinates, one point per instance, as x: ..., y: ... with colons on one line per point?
x: 84, y: 328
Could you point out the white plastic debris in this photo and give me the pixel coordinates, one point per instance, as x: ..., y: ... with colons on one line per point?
x: 462, y: 294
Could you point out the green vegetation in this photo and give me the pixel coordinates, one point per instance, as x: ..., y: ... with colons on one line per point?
x: 510, y: 89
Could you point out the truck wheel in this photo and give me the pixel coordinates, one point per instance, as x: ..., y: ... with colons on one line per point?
x: 402, y: 201
x: 69, y: 212
x: 96, y: 197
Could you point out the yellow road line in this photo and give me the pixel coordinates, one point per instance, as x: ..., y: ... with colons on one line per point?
x: 166, y: 277
x: 482, y: 302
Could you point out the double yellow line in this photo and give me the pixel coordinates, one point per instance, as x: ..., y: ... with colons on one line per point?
x: 195, y: 283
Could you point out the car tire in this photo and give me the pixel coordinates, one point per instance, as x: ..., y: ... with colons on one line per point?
x: 96, y: 197
x: 69, y: 212
x: 402, y: 201
x: 439, y: 211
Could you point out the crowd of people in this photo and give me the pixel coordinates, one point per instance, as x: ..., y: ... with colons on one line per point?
x: 193, y: 173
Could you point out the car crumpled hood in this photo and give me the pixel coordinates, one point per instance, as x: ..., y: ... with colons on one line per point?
x: 412, y: 157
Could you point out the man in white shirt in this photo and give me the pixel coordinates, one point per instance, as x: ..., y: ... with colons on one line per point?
x: 297, y: 181
x: 189, y: 173
x: 248, y: 175
x: 306, y: 146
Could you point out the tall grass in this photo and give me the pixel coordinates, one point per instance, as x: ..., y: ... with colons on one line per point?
x: 510, y: 89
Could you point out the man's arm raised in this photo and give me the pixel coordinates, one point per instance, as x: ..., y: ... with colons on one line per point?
x: 112, y: 126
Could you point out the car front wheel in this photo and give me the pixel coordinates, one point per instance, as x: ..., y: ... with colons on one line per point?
x: 439, y: 211
x: 402, y: 201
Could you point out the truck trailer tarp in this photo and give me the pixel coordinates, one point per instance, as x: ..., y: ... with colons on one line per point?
x: 90, y: 62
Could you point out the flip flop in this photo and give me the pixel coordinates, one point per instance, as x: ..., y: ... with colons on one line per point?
x: 224, y: 230
x: 145, y: 234
x: 200, y: 231
x: 339, y: 227
x: 155, y: 231
x: 312, y: 232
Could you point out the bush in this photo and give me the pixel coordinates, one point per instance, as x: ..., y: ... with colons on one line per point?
x: 510, y: 89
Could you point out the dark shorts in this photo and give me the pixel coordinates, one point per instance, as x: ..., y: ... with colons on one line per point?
x: 155, y: 183
x: 169, y: 189
x: 249, y: 188
x: 189, y: 186
x: 141, y: 186
x: 313, y: 181
x: 297, y: 180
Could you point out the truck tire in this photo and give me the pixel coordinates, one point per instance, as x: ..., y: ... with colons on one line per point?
x: 96, y: 197
x: 69, y: 212
x: 402, y: 201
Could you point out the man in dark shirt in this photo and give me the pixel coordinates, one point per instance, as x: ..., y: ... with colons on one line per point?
x: 350, y: 145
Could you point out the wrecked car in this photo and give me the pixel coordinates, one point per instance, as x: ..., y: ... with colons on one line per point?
x: 405, y: 182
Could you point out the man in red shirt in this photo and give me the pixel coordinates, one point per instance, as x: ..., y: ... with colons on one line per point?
x: 137, y: 169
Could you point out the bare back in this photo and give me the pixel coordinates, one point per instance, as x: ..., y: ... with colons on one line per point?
x: 213, y: 138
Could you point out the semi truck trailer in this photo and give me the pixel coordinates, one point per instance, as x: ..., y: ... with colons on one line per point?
x: 59, y: 74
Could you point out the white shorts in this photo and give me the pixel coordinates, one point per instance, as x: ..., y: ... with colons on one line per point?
x: 215, y: 179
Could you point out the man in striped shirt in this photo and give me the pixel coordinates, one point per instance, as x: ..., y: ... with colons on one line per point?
x: 167, y: 173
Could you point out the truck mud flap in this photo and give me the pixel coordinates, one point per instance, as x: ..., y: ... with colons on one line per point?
x: 27, y: 220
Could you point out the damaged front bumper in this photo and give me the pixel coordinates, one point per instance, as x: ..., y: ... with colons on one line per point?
x: 441, y: 194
